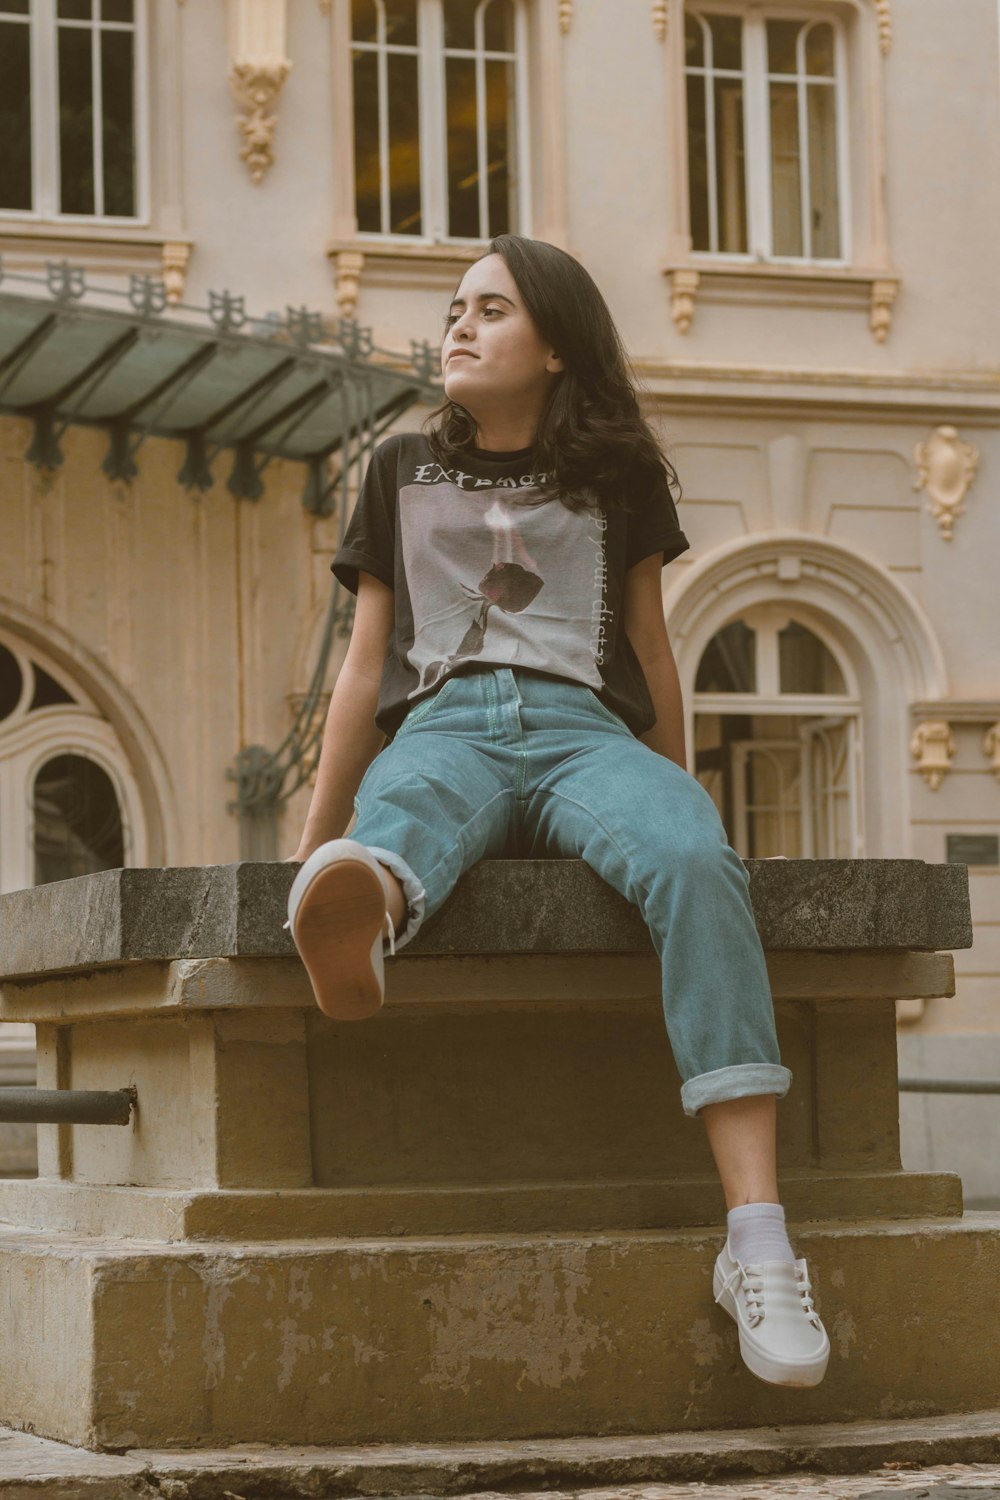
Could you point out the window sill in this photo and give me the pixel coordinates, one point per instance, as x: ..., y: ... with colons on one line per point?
x: 781, y: 283
x: 393, y: 264
x: 101, y: 249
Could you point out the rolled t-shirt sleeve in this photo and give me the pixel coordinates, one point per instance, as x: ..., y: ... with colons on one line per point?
x: 369, y: 543
x: 654, y: 526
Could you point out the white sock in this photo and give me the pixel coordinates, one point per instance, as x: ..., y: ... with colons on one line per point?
x: 757, y: 1233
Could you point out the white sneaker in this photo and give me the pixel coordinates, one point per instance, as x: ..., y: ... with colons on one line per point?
x: 338, y: 917
x: 782, y: 1339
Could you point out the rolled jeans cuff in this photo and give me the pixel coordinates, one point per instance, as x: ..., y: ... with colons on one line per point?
x: 416, y: 896
x: 736, y: 1082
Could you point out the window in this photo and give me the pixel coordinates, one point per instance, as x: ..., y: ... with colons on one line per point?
x: 766, y: 141
x: 777, y: 739
x: 438, y: 99
x: 71, y: 111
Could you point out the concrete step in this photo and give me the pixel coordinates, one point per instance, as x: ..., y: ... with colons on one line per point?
x: 474, y: 1338
x: 893, y: 1455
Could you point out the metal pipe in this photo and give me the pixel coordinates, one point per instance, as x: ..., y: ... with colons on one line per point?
x: 949, y: 1086
x: 67, y: 1106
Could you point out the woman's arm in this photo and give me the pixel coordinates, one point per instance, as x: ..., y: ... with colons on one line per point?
x: 350, y: 739
x: 647, y: 631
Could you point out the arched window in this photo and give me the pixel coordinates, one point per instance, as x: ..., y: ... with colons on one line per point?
x: 777, y: 737
x: 69, y: 803
x: 77, y: 820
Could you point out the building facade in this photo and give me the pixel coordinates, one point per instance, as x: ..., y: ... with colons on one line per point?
x: 793, y: 211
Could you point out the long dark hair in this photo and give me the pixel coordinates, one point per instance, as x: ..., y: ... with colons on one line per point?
x: 591, y: 434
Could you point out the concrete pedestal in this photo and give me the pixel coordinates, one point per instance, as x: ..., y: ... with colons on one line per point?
x: 481, y: 1213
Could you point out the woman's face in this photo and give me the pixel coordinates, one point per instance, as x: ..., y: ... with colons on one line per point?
x: 506, y: 363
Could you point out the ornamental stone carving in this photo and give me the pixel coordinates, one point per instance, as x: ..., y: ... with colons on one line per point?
x: 991, y: 748
x: 884, y: 26
x: 683, y: 286
x: 174, y: 261
x: 946, y: 468
x: 565, y: 15
x: 660, y: 14
x: 933, y: 746
x: 347, y: 268
x: 257, y: 73
x: 880, y: 316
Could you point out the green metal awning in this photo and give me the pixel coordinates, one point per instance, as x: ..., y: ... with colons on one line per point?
x: 287, y: 386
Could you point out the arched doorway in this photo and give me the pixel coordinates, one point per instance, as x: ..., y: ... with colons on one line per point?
x: 777, y: 736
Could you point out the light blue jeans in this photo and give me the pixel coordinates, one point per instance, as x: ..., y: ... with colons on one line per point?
x: 501, y: 762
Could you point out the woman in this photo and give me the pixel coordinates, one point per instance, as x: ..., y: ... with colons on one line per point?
x: 509, y: 640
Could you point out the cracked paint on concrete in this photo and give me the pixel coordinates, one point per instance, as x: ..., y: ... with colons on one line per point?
x: 707, y: 1344
x: 843, y: 1333
x: 293, y: 1344
x: 518, y: 1310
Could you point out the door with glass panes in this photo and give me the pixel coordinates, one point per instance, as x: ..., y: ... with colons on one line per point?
x: 777, y: 737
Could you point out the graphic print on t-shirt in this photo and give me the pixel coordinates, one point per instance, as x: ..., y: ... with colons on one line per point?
x: 496, y: 579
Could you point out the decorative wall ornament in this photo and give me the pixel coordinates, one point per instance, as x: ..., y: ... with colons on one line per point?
x: 933, y: 746
x: 174, y: 260
x: 565, y: 15
x: 661, y: 10
x: 884, y: 25
x: 347, y: 268
x: 991, y: 747
x: 684, y: 284
x: 880, y: 318
x: 257, y: 72
x: 946, y: 468
x: 325, y: 5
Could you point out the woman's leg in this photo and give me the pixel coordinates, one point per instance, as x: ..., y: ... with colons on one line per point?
x: 433, y: 802
x: 653, y: 833
x: 741, y: 1133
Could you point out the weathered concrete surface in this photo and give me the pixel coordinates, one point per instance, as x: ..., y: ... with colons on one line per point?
x: 849, y: 1461
x: 474, y: 1339
x: 500, y: 906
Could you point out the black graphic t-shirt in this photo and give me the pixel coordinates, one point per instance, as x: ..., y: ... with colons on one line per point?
x: 482, y: 578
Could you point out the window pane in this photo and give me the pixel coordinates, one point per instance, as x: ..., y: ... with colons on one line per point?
x: 786, y: 203
x: 730, y: 165
x: 727, y: 41
x: 14, y: 7
x: 364, y: 20
x: 367, y: 176
x: 78, y: 826
x: 697, y: 162
x: 460, y: 23
x: 10, y: 682
x: 819, y: 51
x: 694, y: 43
x: 15, y: 115
x: 401, y: 22
x: 824, y: 205
x: 463, y: 173
x: 47, y: 690
x: 781, y: 39
x: 805, y: 664
x: 729, y: 664
x: 501, y: 148
x: 404, y: 144
x: 499, y: 31
x: 76, y: 122
x: 116, y: 10
x: 118, y: 122
x: 75, y: 10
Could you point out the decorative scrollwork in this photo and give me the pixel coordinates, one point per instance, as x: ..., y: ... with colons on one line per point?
x: 226, y: 311
x: 147, y: 295
x: 884, y: 26
x: 257, y: 86
x: 356, y: 342
x: 661, y: 11
x: 304, y: 326
x: 66, y: 283
x: 946, y: 468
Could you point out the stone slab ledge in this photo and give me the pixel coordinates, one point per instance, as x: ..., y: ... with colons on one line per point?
x: 46, y: 1470
x: 501, y: 906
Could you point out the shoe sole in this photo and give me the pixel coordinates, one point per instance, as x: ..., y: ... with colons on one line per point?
x: 799, y: 1377
x: 340, y: 915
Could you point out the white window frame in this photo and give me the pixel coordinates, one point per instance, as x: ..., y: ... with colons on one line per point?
x: 757, y: 132
x: 433, y: 124
x: 45, y: 187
